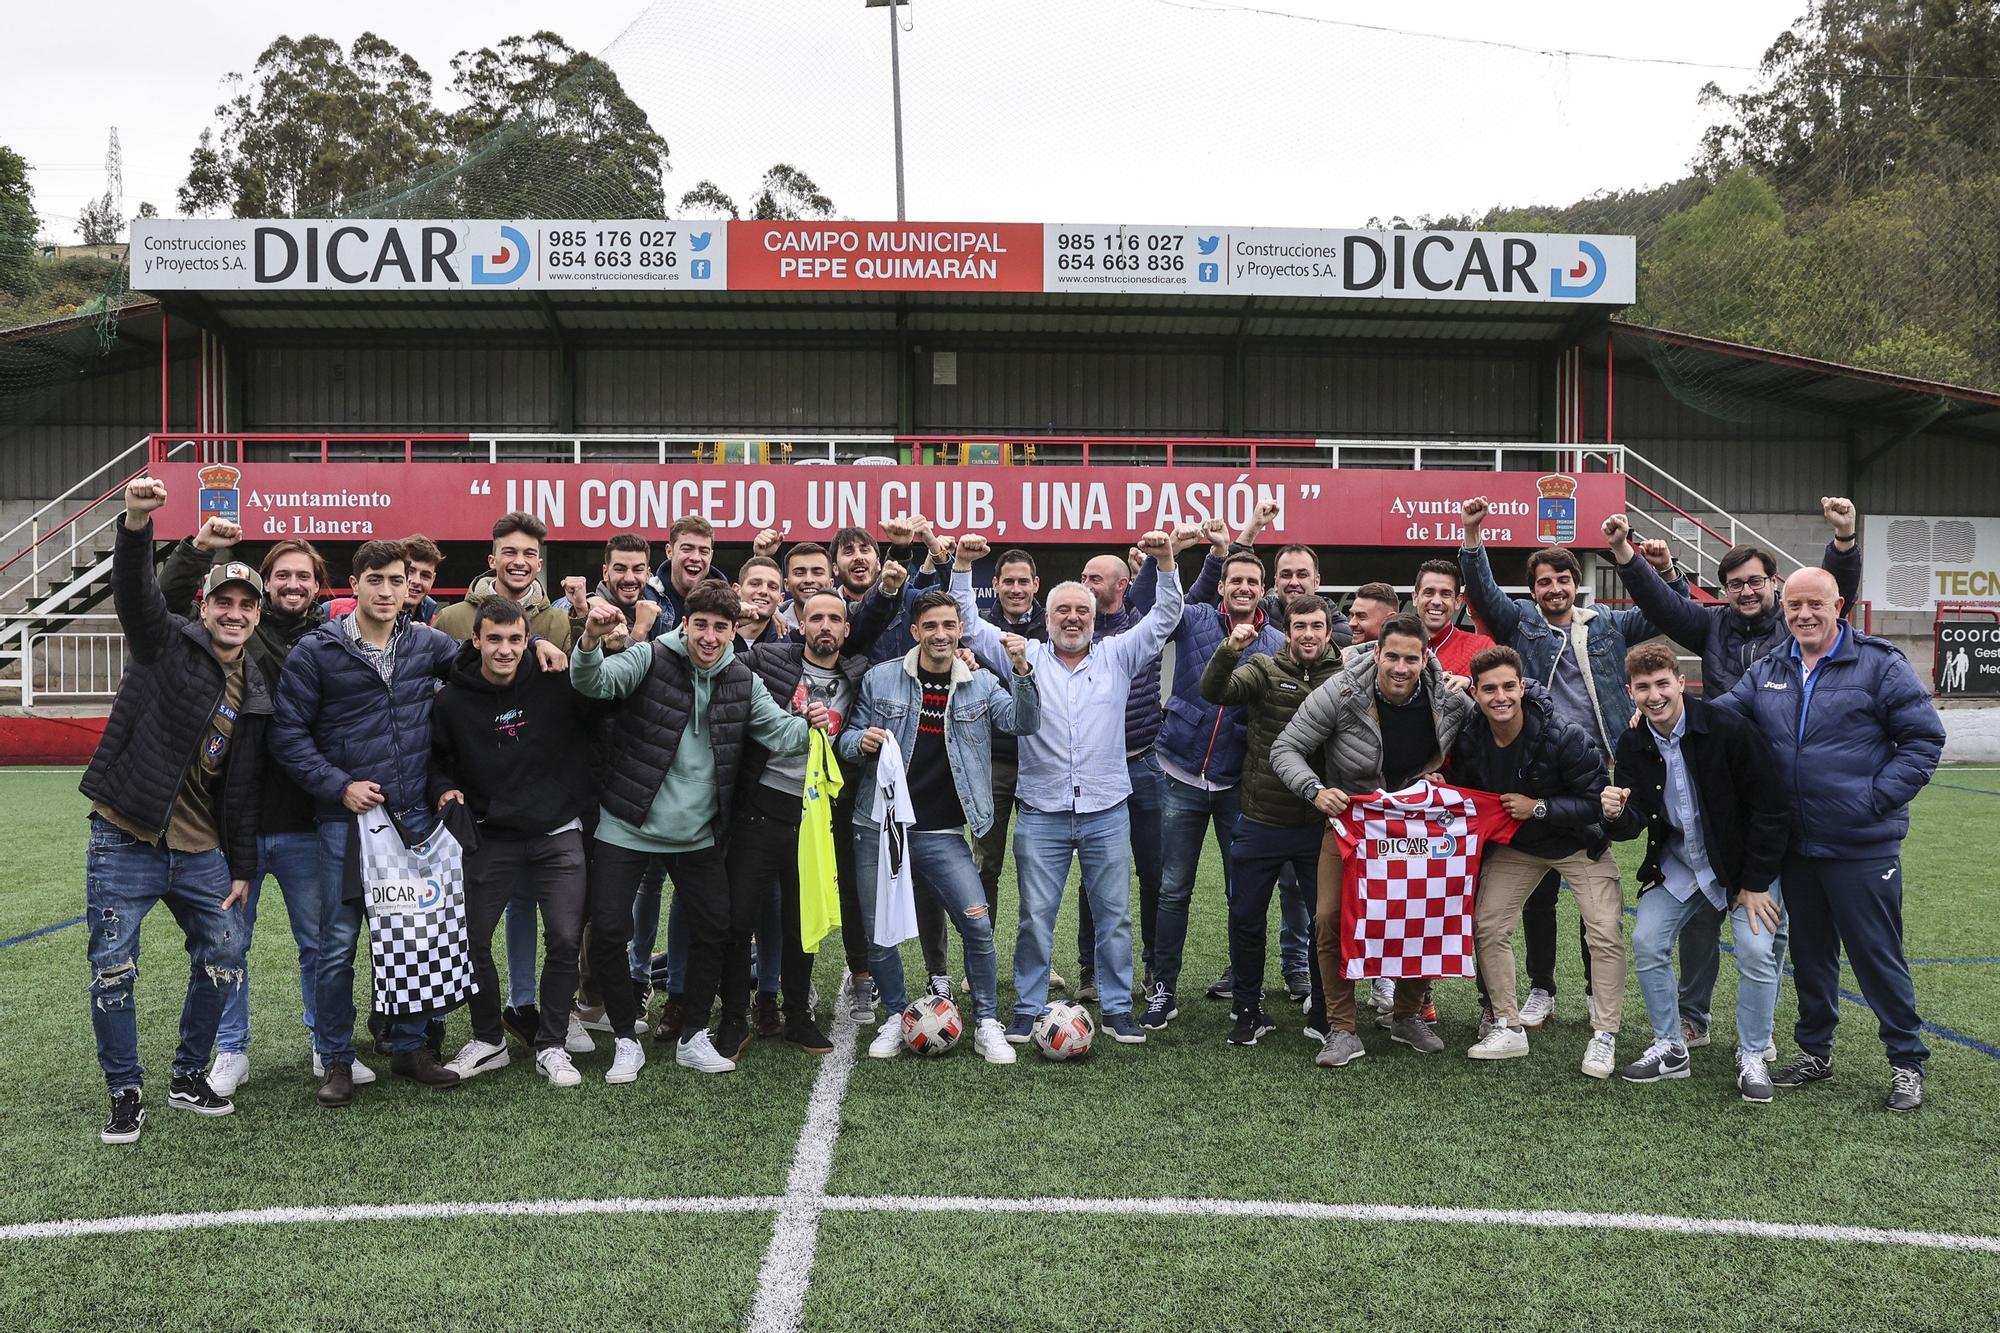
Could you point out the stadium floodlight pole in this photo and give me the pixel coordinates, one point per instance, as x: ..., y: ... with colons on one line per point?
x: 895, y: 91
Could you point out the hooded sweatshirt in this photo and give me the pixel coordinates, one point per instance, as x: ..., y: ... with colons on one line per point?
x: 544, y: 619
x: 511, y: 749
x: 682, y: 816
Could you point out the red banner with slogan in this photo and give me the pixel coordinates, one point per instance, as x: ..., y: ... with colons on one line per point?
x: 1070, y: 506
x: 885, y: 256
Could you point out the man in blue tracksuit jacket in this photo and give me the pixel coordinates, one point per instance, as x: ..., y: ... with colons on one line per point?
x: 1856, y: 737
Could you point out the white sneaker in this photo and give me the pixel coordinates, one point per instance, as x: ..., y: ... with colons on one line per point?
x: 579, y: 1041
x: 1601, y: 1056
x: 479, y: 1057
x: 230, y: 1072
x: 990, y: 1040
x: 888, y: 1042
x: 1539, y: 1007
x: 1502, y: 1043
x: 363, y: 1075
x: 699, y: 1054
x: 627, y: 1059
x: 554, y: 1065
x: 592, y: 1018
x: 1384, y: 993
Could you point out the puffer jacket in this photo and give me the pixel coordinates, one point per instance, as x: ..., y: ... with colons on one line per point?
x: 1594, y: 633
x: 1728, y: 642
x: 283, y: 805
x: 337, y: 722
x: 1336, y: 736
x: 979, y: 708
x: 1551, y: 760
x: 1269, y: 688
x: 1200, y: 737
x: 1855, y: 751
x: 160, y: 717
x: 544, y: 618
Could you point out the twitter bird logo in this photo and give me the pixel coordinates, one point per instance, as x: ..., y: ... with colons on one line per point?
x: 699, y: 239
x: 1208, y: 243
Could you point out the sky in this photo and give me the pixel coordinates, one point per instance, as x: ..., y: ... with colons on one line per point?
x: 1272, y: 112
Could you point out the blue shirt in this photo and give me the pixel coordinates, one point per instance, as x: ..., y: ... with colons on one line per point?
x: 1075, y: 761
x: 1811, y: 677
x: 1685, y: 866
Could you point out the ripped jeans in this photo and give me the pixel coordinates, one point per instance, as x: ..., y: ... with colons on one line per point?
x: 123, y: 878
x: 940, y: 864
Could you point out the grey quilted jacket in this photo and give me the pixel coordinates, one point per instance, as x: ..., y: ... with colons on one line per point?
x: 1337, y: 722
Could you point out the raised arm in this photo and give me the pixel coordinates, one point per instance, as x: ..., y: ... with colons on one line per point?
x: 1129, y: 650
x: 1225, y: 682
x: 1685, y: 622
x: 1499, y: 612
x: 1842, y: 557
x: 978, y: 634
x: 1016, y: 707
x: 597, y: 675
x: 189, y: 559
x: 778, y: 730
x: 135, y: 592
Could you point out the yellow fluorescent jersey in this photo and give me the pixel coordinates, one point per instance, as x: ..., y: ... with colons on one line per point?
x: 819, y: 880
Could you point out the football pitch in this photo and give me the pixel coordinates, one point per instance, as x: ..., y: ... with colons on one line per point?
x: 1183, y: 1184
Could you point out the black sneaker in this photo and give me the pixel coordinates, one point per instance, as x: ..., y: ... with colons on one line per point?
x: 803, y: 1033
x: 1160, y: 1009
x: 523, y: 1021
x: 192, y: 1093
x: 732, y: 1037
x: 1906, y: 1088
x: 1805, y: 1068
x: 1249, y: 1027
x: 128, y: 1117
x: 1298, y: 985
x: 1224, y: 987
x: 1662, y: 1060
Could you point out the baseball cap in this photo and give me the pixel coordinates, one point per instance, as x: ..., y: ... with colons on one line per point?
x: 235, y: 571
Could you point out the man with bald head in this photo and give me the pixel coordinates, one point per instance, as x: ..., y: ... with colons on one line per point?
x: 1856, y: 737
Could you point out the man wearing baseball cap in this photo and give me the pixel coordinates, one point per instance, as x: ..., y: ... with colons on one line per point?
x: 173, y: 794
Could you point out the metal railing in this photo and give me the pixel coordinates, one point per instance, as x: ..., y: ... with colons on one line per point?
x: 73, y: 666
x: 1719, y: 525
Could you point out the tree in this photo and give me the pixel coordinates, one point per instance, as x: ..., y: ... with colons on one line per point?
x: 313, y: 127
x: 98, y: 221
x: 1706, y: 271
x: 788, y: 194
x: 707, y: 200
x: 17, y: 225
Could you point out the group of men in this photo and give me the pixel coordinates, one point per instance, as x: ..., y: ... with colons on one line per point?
x: 657, y: 728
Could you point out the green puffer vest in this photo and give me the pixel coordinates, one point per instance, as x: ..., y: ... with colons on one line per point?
x: 1270, y: 688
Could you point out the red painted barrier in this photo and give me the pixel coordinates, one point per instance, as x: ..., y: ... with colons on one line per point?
x: 49, y: 740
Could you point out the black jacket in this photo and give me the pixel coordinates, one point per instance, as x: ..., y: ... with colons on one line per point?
x: 1741, y: 803
x: 283, y: 805
x: 1006, y: 745
x: 1551, y: 760
x: 516, y: 751
x: 781, y: 665
x: 172, y: 687
x: 647, y: 731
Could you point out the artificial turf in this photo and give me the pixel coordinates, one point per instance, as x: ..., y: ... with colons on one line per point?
x: 1185, y: 1115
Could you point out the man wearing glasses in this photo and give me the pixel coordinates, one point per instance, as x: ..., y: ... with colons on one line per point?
x: 1729, y: 636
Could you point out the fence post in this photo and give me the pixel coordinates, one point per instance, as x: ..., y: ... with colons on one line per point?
x: 28, y: 671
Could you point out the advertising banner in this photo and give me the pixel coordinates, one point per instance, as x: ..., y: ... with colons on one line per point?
x: 1966, y: 663
x: 1910, y: 563
x: 1111, y: 506
x: 247, y: 254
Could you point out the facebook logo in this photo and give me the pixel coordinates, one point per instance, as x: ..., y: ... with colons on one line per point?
x: 1209, y: 272
x: 698, y: 269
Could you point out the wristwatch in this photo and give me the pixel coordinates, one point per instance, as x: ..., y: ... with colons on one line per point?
x: 1541, y: 810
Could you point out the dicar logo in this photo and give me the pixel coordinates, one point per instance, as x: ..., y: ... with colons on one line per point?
x: 508, y: 265
x: 1579, y: 282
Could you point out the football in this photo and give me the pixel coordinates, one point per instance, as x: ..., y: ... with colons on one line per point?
x: 1064, y: 1031
x: 932, y: 1025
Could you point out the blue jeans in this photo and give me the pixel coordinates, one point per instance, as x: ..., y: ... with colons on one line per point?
x: 339, y: 932
x: 941, y: 864
x: 1144, y: 808
x: 1759, y: 954
x: 521, y: 942
x: 646, y: 930
x: 768, y: 946
x: 1186, y: 814
x: 294, y: 859
x: 123, y: 878
x: 1044, y: 846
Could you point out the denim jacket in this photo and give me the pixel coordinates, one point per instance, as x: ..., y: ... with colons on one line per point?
x: 892, y: 697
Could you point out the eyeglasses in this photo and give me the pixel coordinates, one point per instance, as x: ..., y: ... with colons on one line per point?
x: 1755, y: 583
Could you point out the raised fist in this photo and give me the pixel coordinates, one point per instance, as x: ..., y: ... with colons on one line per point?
x: 1217, y: 533
x: 601, y: 619
x: 1267, y: 513
x: 217, y: 534
x: 766, y: 543
x: 575, y: 589
x: 899, y: 531
x: 1612, y: 801
x: 1839, y: 513
x: 142, y: 496
x: 1657, y: 554
x: 1472, y: 514
x: 643, y: 616
x: 1617, y: 531
x: 972, y: 548
x: 1017, y: 650
x: 893, y: 577
x: 1157, y: 545
x: 1242, y: 636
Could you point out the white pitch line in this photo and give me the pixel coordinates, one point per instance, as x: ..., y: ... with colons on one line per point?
x: 378, y: 1212
x: 1386, y: 1212
x: 788, y: 1263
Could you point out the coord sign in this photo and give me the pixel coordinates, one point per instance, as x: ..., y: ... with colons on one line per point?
x: 1967, y: 659
x: 247, y: 254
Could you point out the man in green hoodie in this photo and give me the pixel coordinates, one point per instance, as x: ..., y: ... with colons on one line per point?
x: 1276, y: 828
x: 690, y: 708
x: 516, y: 563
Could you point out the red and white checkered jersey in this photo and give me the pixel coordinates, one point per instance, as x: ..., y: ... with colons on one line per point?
x: 1409, y: 865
